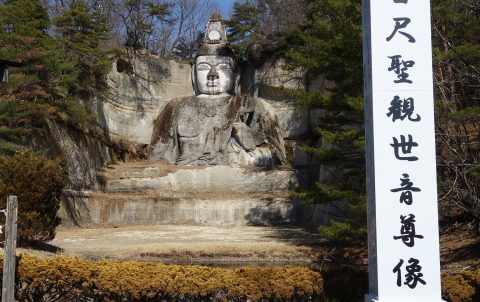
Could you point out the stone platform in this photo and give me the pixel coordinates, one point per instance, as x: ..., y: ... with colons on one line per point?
x: 143, y: 193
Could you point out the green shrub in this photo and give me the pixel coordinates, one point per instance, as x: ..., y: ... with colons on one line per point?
x: 71, y: 279
x: 37, y: 182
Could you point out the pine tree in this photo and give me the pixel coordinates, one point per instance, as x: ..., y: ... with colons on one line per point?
x: 329, y: 43
x: 57, y: 67
x: 140, y: 17
x: 80, y: 30
x: 324, y: 38
x: 24, y: 39
x: 241, y: 27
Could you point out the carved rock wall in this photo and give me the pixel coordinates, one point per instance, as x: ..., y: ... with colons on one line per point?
x: 136, y: 97
x: 138, y: 93
x: 144, y: 193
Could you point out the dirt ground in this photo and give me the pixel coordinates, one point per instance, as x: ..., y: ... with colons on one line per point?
x: 187, y: 244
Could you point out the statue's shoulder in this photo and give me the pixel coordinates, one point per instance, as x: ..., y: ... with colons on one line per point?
x: 181, y: 101
x: 175, y: 106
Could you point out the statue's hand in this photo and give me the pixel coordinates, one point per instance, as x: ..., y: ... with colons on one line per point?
x: 246, y: 137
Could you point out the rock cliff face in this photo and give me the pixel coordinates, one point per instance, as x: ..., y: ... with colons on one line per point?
x: 84, y: 153
x: 137, y: 94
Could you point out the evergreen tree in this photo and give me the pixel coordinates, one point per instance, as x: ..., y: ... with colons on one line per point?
x: 55, y: 71
x: 80, y: 30
x: 24, y: 39
x: 241, y: 27
x: 324, y: 38
x: 329, y: 43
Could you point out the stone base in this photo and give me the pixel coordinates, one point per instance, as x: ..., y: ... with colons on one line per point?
x: 100, y: 209
x: 143, y: 193
x: 146, y: 193
x: 156, y: 177
x: 373, y: 298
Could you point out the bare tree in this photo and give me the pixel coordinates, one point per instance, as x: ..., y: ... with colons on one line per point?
x: 190, y: 17
x: 264, y: 23
x: 457, y: 95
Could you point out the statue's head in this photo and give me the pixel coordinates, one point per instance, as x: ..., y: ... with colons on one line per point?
x: 214, y: 70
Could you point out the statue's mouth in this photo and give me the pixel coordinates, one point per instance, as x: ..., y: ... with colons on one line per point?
x: 211, y: 84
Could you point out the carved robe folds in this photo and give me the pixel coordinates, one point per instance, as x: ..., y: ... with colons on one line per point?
x: 217, y: 131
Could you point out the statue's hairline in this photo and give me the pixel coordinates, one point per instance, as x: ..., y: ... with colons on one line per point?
x: 233, y: 59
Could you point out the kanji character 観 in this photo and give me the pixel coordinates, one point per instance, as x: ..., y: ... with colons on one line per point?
x: 400, y: 109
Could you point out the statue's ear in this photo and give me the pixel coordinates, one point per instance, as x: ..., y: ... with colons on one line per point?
x: 194, y: 79
x: 237, y: 89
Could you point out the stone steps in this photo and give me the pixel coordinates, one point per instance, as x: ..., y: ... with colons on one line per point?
x: 145, y: 193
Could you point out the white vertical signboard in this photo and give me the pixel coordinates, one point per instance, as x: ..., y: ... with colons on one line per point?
x: 404, y: 262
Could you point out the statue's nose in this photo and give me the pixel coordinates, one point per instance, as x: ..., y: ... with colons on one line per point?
x: 212, y: 74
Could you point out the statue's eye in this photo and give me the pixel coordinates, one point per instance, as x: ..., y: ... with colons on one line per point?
x: 203, y: 66
x: 224, y: 67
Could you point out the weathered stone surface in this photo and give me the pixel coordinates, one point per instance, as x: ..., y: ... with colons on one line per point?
x: 138, y: 193
x: 153, y: 193
x: 222, y: 210
x: 136, y: 98
x: 199, y: 179
x: 84, y: 153
x: 273, y: 73
x: 269, y: 82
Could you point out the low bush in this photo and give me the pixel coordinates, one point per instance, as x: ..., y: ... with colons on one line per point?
x: 462, y: 287
x: 70, y: 279
x: 350, y: 284
x: 37, y: 182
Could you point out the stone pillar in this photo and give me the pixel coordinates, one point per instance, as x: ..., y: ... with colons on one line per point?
x: 401, y: 177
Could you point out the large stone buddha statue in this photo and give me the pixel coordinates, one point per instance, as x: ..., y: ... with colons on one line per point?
x: 215, y: 126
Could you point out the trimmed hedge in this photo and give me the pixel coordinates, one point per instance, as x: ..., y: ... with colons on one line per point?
x: 71, y: 279
x: 462, y: 287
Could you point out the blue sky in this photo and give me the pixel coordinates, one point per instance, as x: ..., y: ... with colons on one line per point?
x: 225, y: 6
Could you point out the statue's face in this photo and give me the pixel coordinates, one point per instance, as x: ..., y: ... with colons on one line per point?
x: 214, y: 74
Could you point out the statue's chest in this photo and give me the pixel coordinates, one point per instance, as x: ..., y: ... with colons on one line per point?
x: 197, y: 121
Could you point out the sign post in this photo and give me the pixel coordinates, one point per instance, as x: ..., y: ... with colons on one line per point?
x: 404, y: 261
x: 8, y: 282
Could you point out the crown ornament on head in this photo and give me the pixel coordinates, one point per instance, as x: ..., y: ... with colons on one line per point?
x: 215, y: 40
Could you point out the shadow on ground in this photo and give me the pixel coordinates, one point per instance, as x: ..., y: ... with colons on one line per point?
x: 45, y: 247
